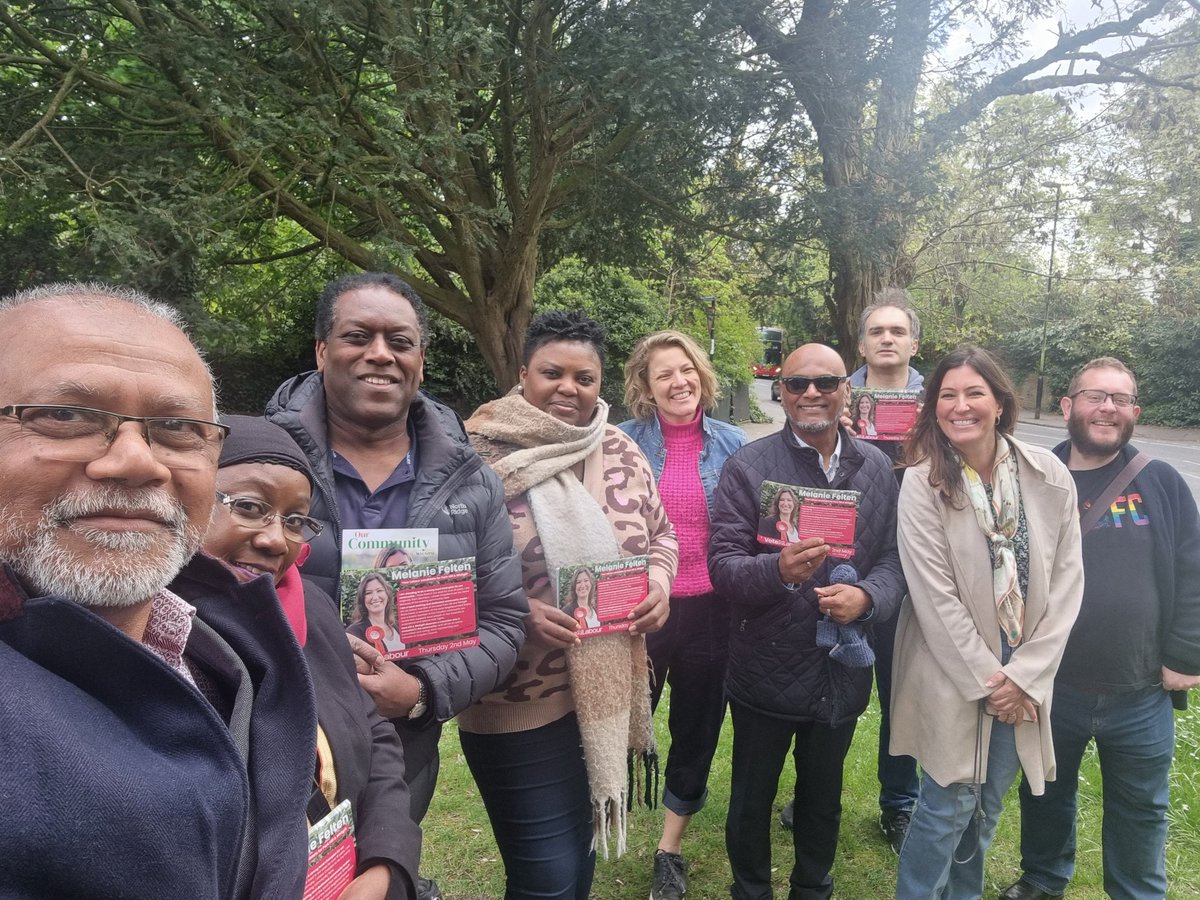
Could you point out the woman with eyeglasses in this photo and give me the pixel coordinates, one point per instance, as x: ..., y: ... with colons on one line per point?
x: 265, y: 487
x: 375, y: 618
x: 989, y: 539
x: 552, y: 748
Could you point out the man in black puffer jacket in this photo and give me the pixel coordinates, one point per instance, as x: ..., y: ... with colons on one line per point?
x: 781, y: 685
x: 386, y: 456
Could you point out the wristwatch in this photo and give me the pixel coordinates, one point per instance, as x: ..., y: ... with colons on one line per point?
x: 422, y: 703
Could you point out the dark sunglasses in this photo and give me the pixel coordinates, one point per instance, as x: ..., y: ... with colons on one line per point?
x: 826, y: 384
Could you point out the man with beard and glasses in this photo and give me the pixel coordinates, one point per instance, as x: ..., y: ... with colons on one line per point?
x: 156, y: 718
x: 781, y: 683
x: 1133, y: 653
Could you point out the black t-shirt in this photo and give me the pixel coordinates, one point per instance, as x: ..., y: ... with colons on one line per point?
x: 1114, y: 644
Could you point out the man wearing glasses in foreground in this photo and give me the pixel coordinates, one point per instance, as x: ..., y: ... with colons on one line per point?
x: 1134, y: 651
x: 156, y: 718
x: 782, y: 684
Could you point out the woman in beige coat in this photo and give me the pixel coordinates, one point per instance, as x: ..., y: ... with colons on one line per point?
x: 989, y: 539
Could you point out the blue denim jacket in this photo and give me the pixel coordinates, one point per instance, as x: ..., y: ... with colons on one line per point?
x: 720, y: 440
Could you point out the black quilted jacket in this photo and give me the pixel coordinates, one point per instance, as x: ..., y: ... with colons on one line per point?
x: 775, y: 666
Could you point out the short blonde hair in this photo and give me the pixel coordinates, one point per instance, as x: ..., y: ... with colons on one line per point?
x: 639, y: 399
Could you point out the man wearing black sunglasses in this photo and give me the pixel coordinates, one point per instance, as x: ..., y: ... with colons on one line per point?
x: 781, y: 685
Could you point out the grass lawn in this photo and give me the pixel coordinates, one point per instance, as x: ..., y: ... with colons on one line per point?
x: 461, y: 854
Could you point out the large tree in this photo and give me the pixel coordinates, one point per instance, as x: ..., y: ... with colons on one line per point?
x: 858, y: 67
x: 435, y: 138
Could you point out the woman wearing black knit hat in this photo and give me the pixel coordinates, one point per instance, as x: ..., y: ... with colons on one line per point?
x: 265, y: 486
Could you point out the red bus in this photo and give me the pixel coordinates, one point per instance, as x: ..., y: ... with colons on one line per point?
x: 769, y: 363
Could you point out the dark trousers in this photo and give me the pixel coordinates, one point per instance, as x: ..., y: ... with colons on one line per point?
x: 535, y: 788
x: 421, y: 764
x: 899, y: 784
x: 760, y: 746
x: 690, y: 654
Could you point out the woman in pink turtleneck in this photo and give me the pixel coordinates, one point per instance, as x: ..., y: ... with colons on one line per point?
x: 669, y: 387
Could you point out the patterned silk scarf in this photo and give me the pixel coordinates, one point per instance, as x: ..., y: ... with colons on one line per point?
x: 998, y: 519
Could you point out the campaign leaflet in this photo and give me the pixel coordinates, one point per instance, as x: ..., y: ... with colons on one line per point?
x: 332, y: 854
x: 601, y: 595
x: 410, y: 609
x: 381, y: 548
x: 883, y: 415
x: 790, y: 513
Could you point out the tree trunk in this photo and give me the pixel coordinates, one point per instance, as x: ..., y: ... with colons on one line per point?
x: 856, y: 278
x: 499, y: 332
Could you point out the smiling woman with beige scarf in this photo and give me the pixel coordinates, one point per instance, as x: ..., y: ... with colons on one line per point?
x: 550, y: 747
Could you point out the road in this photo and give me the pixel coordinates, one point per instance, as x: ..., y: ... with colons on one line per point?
x: 1183, y: 454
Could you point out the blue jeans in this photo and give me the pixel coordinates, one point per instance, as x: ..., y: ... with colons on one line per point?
x: 1135, y: 741
x: 928, y: 867
x: 690, y: 653
x: 760, y: 746
x: 535, y: 788
x: 898, y: 780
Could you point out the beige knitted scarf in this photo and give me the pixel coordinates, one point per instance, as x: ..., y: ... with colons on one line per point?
x: 609, y: 672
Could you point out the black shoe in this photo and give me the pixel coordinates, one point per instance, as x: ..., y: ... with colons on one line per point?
x: 670, y: 876
x: 427, y: 889
x: 895, y: 827
x: 1023, y: 890
x: 787, y: 815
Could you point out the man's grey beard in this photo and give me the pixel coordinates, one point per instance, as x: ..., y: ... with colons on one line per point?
x: 126, y: 568
x: 812, y: 427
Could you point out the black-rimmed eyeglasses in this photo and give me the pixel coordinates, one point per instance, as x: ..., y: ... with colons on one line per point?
x: 1123, y: 401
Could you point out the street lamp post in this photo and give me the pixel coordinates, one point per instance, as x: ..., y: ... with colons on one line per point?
x: 1041, y: 380
x: 711, y: 300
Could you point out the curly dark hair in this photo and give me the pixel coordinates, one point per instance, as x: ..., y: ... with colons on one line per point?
x: 393, y: 283
x: 563, y: 325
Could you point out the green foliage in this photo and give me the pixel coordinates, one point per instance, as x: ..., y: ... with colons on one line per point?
x: 1141, y: 166
x: 736, y: 338
x: 1080, y: 328
x: 455, y: 373
x: 435, y: 141
x: 460, y: 852
x: 626, y: 307
x: 1164, y: 355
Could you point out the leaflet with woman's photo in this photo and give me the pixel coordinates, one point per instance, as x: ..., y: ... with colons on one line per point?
x: 601, y: 595
x: 790, y: 513
x: 883, y: 415
x: 412, y: 610
x: 332, y: 854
